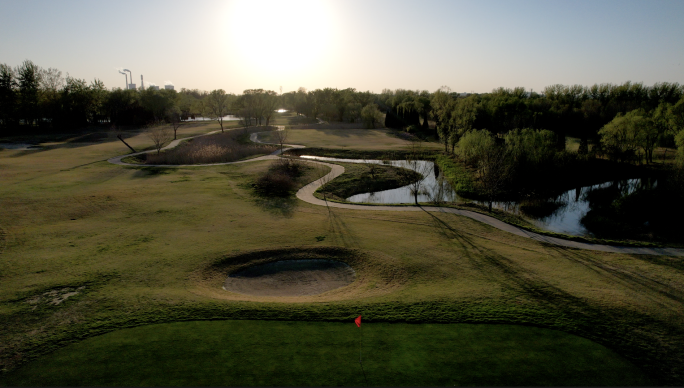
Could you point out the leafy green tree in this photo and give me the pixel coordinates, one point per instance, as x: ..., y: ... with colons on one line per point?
x: 301, y: 102
x: 28, y: 75
x: 121, y: 106
x: 462, y: 117
x: 442, y: 109
x: 622, y: 137
x: 8, y: 96
x: 271, y: 103
x: 185, y: 104
x: 80, y: 103
x: 51, y: 83
x: 675, y: 115
x: 530, y: 146
x: 353, y: 111
x: 371, y: 115
x: 493, y: 170
x: 679, y: 140
x: 472, y: 145
x: 158, y: 102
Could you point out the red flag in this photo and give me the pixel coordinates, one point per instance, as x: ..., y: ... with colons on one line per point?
x: 358, y: 321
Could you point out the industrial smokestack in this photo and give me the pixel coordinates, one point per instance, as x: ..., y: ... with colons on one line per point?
x: 131, y: 85
x: 125, y: 75
x: 142, y: 84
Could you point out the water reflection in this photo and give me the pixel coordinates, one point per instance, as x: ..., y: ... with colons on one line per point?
x: 433, y: 186
x: 562, y: 213
x: 200, y: 118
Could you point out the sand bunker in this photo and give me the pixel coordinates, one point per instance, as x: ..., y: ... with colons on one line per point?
x: 291, y: 278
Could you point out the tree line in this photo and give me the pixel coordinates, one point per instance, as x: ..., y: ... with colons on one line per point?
x: 625, y: 121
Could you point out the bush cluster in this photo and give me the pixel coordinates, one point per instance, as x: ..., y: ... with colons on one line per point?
x: 280, y: 179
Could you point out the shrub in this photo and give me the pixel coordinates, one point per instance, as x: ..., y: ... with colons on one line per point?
x: 280, y: 179
x: 274, y: 183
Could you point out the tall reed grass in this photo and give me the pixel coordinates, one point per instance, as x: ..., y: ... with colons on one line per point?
x: 219, y: 148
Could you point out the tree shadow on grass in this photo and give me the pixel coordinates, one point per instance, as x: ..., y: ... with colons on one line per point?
x: 76, y: 140
x: 150, y: 172
x: 649, y: 286
x: 340, y: 231
x: 277, y: 206
x: 651, y: 343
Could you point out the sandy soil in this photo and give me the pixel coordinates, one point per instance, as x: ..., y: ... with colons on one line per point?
x: 291, y: 278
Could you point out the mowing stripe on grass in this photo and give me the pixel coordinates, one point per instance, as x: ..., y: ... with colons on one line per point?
x: 216, y: 353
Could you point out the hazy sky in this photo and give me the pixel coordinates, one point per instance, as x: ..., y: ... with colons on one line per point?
x: 364, y: 44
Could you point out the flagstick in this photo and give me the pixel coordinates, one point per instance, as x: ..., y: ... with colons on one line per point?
x: 360, y: 363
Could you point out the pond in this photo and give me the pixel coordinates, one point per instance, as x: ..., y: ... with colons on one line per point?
x: 225, y: 118
x: 434, y: 184
x: 564, y: 216
x: 574, y: 204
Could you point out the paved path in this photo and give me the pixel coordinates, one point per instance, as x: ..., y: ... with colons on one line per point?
x: 306, y: 194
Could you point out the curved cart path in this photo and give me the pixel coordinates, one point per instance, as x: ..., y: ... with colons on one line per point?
x: 306, y: 194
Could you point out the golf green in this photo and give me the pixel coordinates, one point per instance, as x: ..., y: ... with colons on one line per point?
x: 315, y: 353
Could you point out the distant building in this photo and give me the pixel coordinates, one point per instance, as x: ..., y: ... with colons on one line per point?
x: 154, y: 87
x: 131, y: 86
x: 168, y: 87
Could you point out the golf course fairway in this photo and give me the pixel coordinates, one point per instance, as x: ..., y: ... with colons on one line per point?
x: 201, y: 353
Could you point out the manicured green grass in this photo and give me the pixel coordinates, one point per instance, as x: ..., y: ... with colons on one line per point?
x: 219, y: 353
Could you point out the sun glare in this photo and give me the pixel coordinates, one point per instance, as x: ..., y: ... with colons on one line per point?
x: 278, y: 37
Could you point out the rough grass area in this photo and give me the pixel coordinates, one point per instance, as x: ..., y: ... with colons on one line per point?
x: 358, y: 154
x: 460, y: 177
x: 364, y: 178
x: 136, y: 237
x: 349, y: 138
x: 247, y: 353
x: 217, y: 148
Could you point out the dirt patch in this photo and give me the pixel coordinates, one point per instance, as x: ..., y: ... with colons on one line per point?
x: 303, y: 274
x: 54, y: 297
x: 291, y: 278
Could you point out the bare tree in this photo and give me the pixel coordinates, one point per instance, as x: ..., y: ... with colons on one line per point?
x: 160, y: 135
x: 413, y: 162
x: 281, y: 137
x: 271, y: 102
x: 372, y: 168
x: 173, y: 115
x: 217, y: 105
x: 494, y: 169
